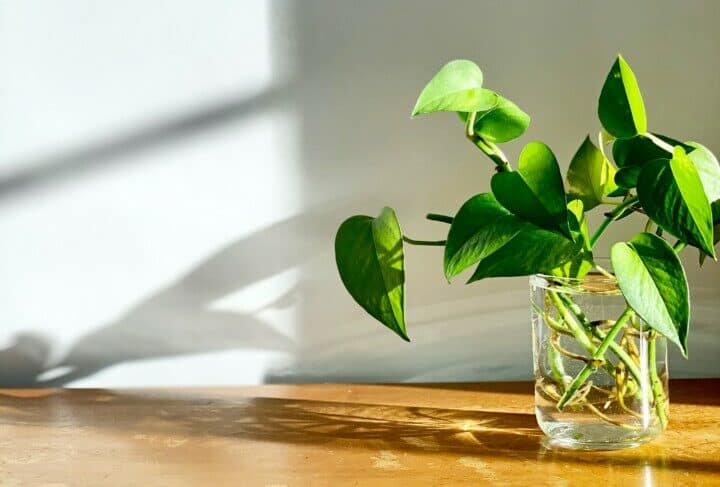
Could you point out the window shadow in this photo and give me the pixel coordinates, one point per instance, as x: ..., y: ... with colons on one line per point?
x: 424, y: 430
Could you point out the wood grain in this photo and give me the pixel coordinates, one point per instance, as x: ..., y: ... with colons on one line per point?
x: 439, y: 434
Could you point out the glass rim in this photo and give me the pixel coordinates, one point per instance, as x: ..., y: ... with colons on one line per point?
x: 594, y: 282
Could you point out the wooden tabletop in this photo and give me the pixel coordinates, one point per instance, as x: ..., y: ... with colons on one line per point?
x: 439, y: 434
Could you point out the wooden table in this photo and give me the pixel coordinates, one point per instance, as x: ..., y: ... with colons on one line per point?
x: 399, y: 435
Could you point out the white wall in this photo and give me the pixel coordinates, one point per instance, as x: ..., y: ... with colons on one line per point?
x: 172, y: 174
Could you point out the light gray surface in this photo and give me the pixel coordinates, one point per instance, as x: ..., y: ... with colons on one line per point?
x: 172, y: 174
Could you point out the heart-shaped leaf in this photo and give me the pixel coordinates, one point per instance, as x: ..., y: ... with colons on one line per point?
x: 672, y: 194
x: 653, y: 282
x: 502, y: 123
x: 485, y: 233
x: 534, y: 192
x: 590, y: 176
x: 641, y: 149
x: 621, y: 108
x: 457, y: 87
x: 370, y: 260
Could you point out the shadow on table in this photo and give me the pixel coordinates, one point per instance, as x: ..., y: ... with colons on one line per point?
x: 337, y: 424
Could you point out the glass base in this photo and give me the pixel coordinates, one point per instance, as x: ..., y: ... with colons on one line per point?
x: 594, y: 436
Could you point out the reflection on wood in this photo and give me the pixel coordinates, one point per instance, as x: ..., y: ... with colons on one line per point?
x: 452, y: 434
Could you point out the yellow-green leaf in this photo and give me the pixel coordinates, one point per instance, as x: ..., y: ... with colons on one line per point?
x: 457, y: 87
x: 590, y: 176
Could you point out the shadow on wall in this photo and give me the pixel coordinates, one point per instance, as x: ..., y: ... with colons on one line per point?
x: 176, y: 320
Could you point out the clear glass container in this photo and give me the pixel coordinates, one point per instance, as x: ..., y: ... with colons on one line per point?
x: 600, y: 371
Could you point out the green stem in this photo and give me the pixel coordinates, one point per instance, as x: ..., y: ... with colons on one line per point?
x: 491, y: 150
x: 578, y: 332
x: 621, y: 354
x: 470, y: 124
x: 603, y: 271
x: 556, y: 365
x: 600, y: 230
x: 598, y: 355
x: 612, y: 216
x: 655, y: 383
x: 649, y: 225
x: 439, y: 218
x: 431, y: 243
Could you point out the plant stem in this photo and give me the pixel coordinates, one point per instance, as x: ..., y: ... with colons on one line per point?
x: 621, y: 354
x: 657, y: 387
x: 600, y: 230
x: 582, y: 338
x: 430, y: 243
x: 556, y: 365
x: 598, y: 355
x: 491, y: 150
x: 649, y: 225
x: 439, y: 218
x: 603, y: 271
x: 580, y: 334
x: 470, y: 124
x: 612, y: 216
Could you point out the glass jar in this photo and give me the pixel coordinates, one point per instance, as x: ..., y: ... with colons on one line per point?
x: 600, y: 371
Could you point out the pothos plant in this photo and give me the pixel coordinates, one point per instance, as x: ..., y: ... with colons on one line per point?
x: 534, y: 222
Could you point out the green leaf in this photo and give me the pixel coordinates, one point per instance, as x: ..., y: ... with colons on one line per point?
x: 457, y: 87
x: 535, y: 191
x: 503, y: 123
x: 621, y: 109
x: 653, y: 282
x: 485, y: 233
x: 578, y: 223
x: 533, y: 250
x: 370, y: 260
x: 590, y: 176
x: 709, y: 172
x: 627, y: 177
x: 672, y: 194
x: 583, y: 261
x: 716, y: 228
x: 707, y: 167
x: 480, y: 227
x: 640, y: 149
